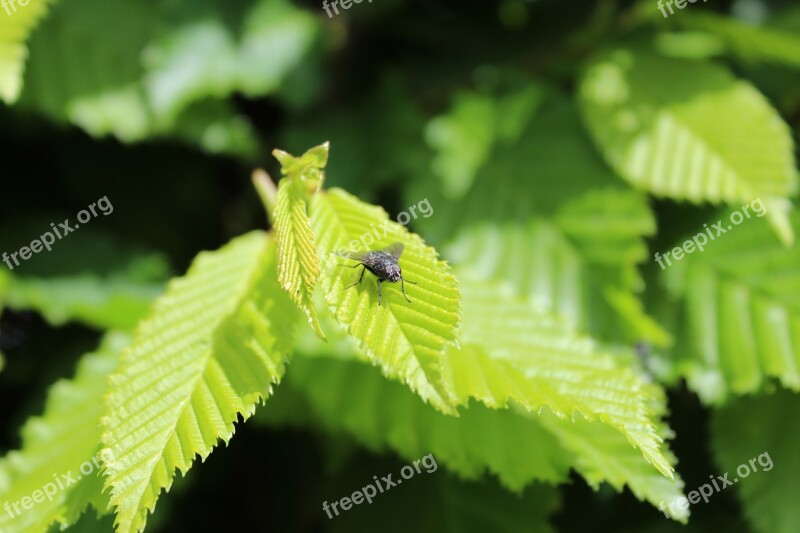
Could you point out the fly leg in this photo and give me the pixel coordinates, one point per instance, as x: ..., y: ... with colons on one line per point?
x: 380, y: 296
x: 360, y: 277
x: 403, y: 288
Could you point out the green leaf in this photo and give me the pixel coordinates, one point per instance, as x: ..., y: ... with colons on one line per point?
x: 751, y: 43
x: 546, y: 215
x: 213, y: 346
x: 407, y: 339
x: 203, y: 59
x: 690, y: 131
x: 165, y: 70
x: 516, y: 446
x: 57, y: 445
x: 465, y: 136
x: 739, y: 309
x: 383, y: 414
x: 298, y: 263
x: 16, y: 24
x: 511, y: 352
x: 104, y: 304
x: 762, y: 433
x: 383, y: 126
x: 601, y: 454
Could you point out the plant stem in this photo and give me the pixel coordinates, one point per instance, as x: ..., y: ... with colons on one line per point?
x: 266, y: 191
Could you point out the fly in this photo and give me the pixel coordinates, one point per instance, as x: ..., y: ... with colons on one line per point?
x: 382, y: 263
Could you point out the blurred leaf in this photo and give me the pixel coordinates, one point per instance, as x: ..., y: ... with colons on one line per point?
x: 690, y: 131
x: 156, y: 76
x: 739, y: 312
x: 546, y: 215
x: 407, y: 339
x: 104, y: 304
x: 14, y: 31
x: 465, y: 136
x: 213, y: 346
x: 57, y: 445
x: 766, y: 430
x: 689, y: 45
x: 751, y: 43
x: 204, y: 59
x: 386, y: 125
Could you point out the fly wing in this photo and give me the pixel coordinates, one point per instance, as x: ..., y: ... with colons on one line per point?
x: 395, y: 250
x: 355, y: 256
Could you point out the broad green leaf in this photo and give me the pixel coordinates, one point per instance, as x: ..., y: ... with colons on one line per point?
x: 16, y: 23
x: 97, y: 91
x: 203, y: 59
x: 546, y: 215
x: 690, y: 131
x: 515, y: 446
x: 59, y: 463
x: 298, y: 263
x: 113, y: 303
x: 465, y: 136
x: 213, y: 346
x: 601, y: 454
x: 511, y: 352
x: 382, y: 414
x: 751, y: 43
x: 762, y: 433
x: 165, y: 70
x: 739, y: 309
x: 407, y: 339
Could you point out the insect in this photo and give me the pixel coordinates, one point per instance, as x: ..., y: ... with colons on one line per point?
x: 382, y: 263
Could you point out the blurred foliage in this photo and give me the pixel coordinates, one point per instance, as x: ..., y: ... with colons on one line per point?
x: 539, y: 158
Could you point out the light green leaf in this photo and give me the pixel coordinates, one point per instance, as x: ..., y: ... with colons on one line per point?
x: 547, y: 215
x: 751, y: 43
x: 762, y: 433
x: 511, y: 352
x: 165, y: 70
x: 213, y: 346
x: 113, y: 303
x: 298, y: 263
x: 407, y: 339
x: 516, y: 446
x: 465, y: 136
x: 56, y: 446
x: 690, y: 131
x: 203, y: 59
x: 383, y: 126
x: 383, y: 414
x: 739, y: 312
x: 16, y: 24
x: 601, y: 454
